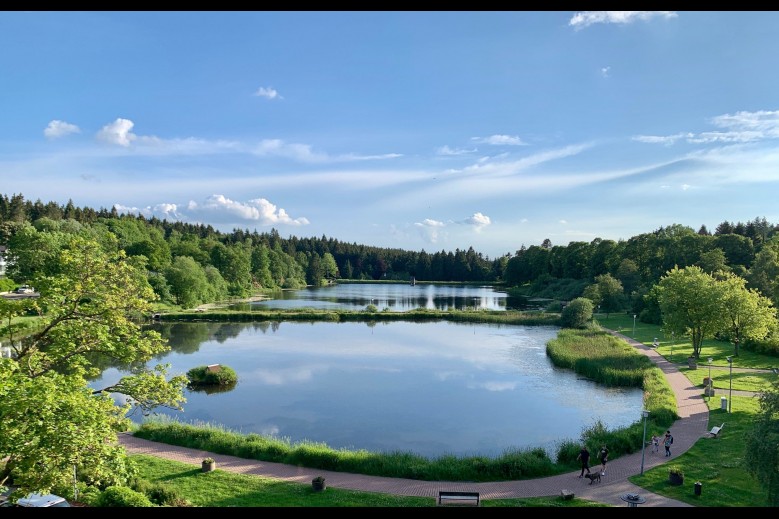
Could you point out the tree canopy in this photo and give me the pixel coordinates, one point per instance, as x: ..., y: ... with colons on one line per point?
x: 52, y: 420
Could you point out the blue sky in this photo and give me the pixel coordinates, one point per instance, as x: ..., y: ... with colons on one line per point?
x: 416, y: 130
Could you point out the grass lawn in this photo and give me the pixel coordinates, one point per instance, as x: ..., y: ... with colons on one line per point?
x: 717, y: 463
x: 225, y: 489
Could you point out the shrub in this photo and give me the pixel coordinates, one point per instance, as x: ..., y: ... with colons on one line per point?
x: 577, y: 313
x: 201, y: 376
x: 159, y: 493
x: 123, y: 496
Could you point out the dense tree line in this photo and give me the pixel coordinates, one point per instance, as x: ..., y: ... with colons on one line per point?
x: 192, y: 263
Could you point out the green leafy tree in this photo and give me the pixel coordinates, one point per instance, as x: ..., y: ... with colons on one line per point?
x: 713, y: 261
x: 690, y: 304
x: 188, y: 282
x: 606, y: 292
x: 761, y: 453
x: 747, y: 314
x: 577, y: 313
x: 329, y: 266
x: 51, y: 418
x: 764, y: 274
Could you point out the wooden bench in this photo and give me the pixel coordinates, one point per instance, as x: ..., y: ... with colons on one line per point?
x: 716, y: 430
x: 453, y: 497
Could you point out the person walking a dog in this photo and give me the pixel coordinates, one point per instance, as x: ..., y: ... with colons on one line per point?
x: 604, y: 457
x: 584, y: 457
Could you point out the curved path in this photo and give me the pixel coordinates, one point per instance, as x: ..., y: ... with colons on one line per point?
x: 692, y: 425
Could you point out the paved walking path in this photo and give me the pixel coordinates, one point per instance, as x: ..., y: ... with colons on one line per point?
x: 692, y: 426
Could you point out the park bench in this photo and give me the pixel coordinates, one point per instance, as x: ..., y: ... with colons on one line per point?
x: 459, y: 498
x: 716, y: 430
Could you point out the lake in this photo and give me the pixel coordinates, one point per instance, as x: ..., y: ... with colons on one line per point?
x: 396, y: 297
x: 431, y: 388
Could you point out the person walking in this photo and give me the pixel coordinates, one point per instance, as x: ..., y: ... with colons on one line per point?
x: 604, y: 457
x: 667, y: 442
x: 584, y: 457
x: 655, y: 443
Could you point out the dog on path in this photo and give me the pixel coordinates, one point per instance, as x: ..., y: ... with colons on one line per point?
x: 593, y: 477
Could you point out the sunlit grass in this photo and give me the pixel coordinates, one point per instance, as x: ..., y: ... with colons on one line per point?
x: 225, y: 489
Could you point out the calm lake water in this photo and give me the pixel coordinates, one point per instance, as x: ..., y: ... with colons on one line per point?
x: 431, y: 388
x: 397, y: 297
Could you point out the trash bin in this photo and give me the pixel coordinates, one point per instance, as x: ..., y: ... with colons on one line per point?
x: 698, y: 488
x: 723, y: 403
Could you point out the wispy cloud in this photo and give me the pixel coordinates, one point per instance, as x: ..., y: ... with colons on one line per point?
x: 259, y: 210
x: 305, y: 153
x: 667, y: 140
x: 446, y: 150
x: 57, y: 129
x: 268, y: 93
x: 500, y: 140
x: 740, y: 127
x: 605, y: 71
x: 586, y: 18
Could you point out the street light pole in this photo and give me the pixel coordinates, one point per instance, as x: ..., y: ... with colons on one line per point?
x: 730, y: 396
x: 645, y: 414
x: 634, y: 326
x: 673, y: 340
x: 711, y: 385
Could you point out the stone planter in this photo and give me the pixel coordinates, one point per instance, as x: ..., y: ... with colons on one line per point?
x: 675, y: 479
x: 318, y: 484
x: 692, y: 362
x: 208, y: 466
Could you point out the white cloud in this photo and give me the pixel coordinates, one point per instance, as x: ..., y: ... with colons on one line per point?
x: 737, y: 128
x: 258, y: 210
x: 304, y: 153
x: 478, y: 221
x: 269, y: 93
x: 666, y: 140
x: 586, y: 18
x: 430, y: 230
x: 165, y: 210
x: 605, y: 71
x: 118, y: 132
x: 57, y: 129
x: 500, y: 140
x: 563, y: 222
x: 428, y: 222
x: 446, y: 150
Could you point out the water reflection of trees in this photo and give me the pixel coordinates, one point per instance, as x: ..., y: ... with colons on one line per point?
x: 186, y: 338
x: 211, y: 389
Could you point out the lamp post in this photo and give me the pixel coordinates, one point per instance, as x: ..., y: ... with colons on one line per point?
x: 645, y: 414
x: 711, y: 385
x: 730, y: 396
x: 634, y: 326
x: 673, y: 340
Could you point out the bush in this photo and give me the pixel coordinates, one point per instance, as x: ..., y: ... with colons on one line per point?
x: 123, y: 496
x: 159, y: 493
x: 577, y: 313
x: 201, y: 376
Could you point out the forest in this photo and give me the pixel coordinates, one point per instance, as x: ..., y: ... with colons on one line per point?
x: 190, y: 264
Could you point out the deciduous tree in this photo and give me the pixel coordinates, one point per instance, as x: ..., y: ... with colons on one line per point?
x: 51, y: 419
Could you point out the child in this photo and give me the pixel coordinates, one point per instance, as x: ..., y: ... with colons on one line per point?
x: 655, y: 443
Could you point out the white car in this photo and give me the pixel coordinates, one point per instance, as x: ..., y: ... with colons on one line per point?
x: 39, y: 500
x: 25, y: 289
